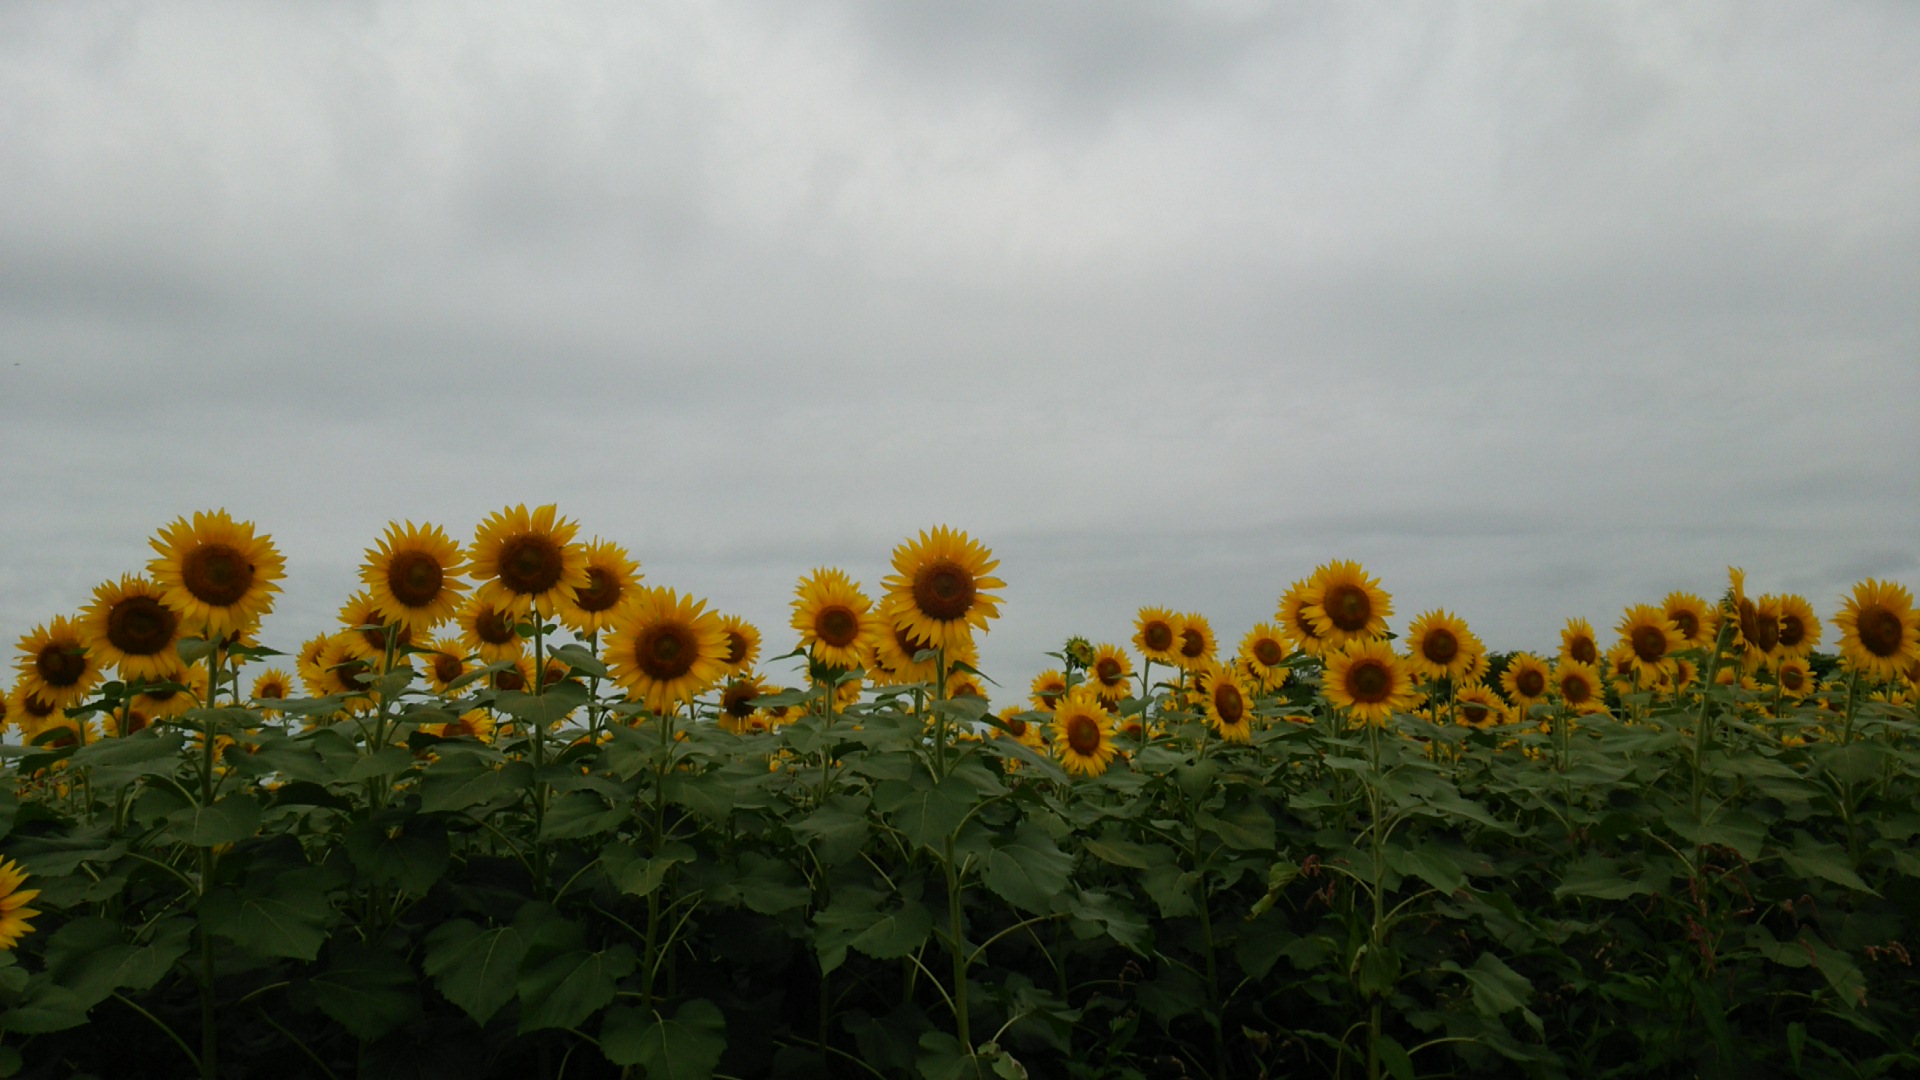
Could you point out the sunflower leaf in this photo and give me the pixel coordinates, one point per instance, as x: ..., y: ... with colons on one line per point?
x: 476, y: 969
x: 687, y: 1047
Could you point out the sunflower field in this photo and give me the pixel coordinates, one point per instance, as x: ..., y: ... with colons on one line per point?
x: 524, y: 816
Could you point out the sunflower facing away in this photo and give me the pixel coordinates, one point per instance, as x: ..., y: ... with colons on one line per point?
x: 941, y: 580
x: 666, y: 649
x: 215, y: 574
x: 1346, y: 604
x: 1083, y: 733
x: 1439, y: 646
x: 1879, y: 635
x: 14, y: 911
x: 1368, y: 681
x: 129, y: 628
x: 1156, y: 633
x: 527, y: 559
x: 835, y: 619
x: 412, y: 576
x: 55, y: 664
x: 1111, y: 673
x: 612, y: 578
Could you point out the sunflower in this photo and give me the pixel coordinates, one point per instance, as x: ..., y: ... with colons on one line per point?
x: 666, y: 648
x: 737, y: 706
x: 1690, y: 616
x: 31, y: 713
x: 1527, y: 681
x: 344, y: 671
x: 272, y: 685
x: 215, y: 574
x: 1345, y: 603
x: 1156, y: 634
x: 365, y: 627
x: 1578, y: 685
x: 1047, y: 688
x: 490, y: 630
x: 527, y: 560
x: 940, y: 582
x: 307, y: 664
x: 1229, y: 708
x: 1439, y: 646
x: 1015, y: 726
x: 516, y: 677
x: 14, y: 911
x: 1266, y: 647
x: 128, y: 627
x: 1795, y: 678
x: 1111, y: 673
x: 962, y: 683
x: 835, y: 619
x: 1648, y: 640
x: 412, y: 576
x: 1577, y: 643
x: 445, y: 660
x: 1367, y: 680
x: 1475, y: 706
x: 472, y: 724
x: 1197, y: 643
x: 1799, y: 626
x: 1292, y: 617
x: 1879, y: 635
x: 1763, y: 643
x: 1083, y: 732
x: 890, y: 656
x: 1619, y: 666
x: 159, y: 701
x: 743, y: 644
x: 612, y: 577
x: 55, y: 664
x: 1685, y: 672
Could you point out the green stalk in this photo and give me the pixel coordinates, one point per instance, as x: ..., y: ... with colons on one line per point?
x: 957, y: 945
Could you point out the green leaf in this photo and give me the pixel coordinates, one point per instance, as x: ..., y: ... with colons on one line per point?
x: 581, y: 659
x: 46, y: 1007
x: 1171, y: 889
x: 1429, y: 866
x: 1497, y: 988
x: 928, y: 816
x: 409, y: 851
x: 581, y: 813
x: 1811, y: 859
x: 895, y: 934
x: 459, y: 789
x: 117, y: 762
x: 476, y: 969
x: 1249, y: 830
x: 291, y: 924
x: 687, y: 1047
x: 546, y: 709
x: 567, y: 989
x: 1116, y: 852
x: 1599, y: 877
x: 91, y: 957
x: 368, y: 991
x: 768, y: 886
x: 380, y: 764
x: 1030, y: 871
x: 1119, y: 921
x: 228, y: 821
x: 1394, y: 1057
x: 637, y: 875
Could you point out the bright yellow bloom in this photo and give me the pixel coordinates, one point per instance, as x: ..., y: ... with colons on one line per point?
x: 1879, y: 635
x: 1083, y: 733
x: 1229, y: 708
x: 612, y: 578
x: 939, y: 583
x: 1346, y: 604
x: 1475, y: 706
x: 55, y: 664
x: 444, y: 660
x: 1368, y: 682
x: 1690, y: 616
x: 743, y: 644
x: 490, y: 630
x: 1577, y: 643
x: 365, y: 631
x: 1292, y: 617
x: 215, y: 574
x: 1648, y: 639
x: 527, y: 560
x: 737, y: 708
x: 1047, y: 688
x: 666, y: 649
x: 1799, y: 626
x: 1795, y: 678
x: 273, y: 684
x: 1265, y: 647
x: 1195, y: 651
x: 1439, y: 646
x: 835, y: 619
x: 129, y: 627
x: 412, y: 576
x: 14, y: 911
x: 1111, y: 673
x: 1578, y: 685
x: 1526, y: 680
x: 1157, y: 634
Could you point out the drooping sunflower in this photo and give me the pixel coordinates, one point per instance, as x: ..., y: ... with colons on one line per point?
x: 1083, y: 733
x: 1799, y: 626
x: 527, y: 560
x: 1368, y: 681
x: 1439, y: 646
x: 490, y: 630
x: 215, y: 574
x: 444, y: 660
x: 1111, y: 673
x: 129, y: 628
x: 1292, y: 617
x: 666, y: 648
x: 1649, y: 639
x: 1476, y: 706
x: 1527, y: 681
x: 1578, y: 644
x: 1047, y: 688
x: 412, y: 575
x: 940, y: 581
x: 1578, y: 685
x: 743, y: 644
x: 1229, y: 706
x: 55, y: 664
x: 1197, y: 644
x: 612, y: 577
x: 737, y: 702
x: 1156, y: 633
x: 1346, y: 604
x: 365, y: 626
x: 835, y: 619
x: 1690, y: 616
x: 1879, y: 635
x: 14, y: 911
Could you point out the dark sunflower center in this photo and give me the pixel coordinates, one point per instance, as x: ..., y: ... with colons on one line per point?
x: 1688, y: 625
x: 1016, y: 727
x: 1440, y: 646
x: 1881, y: 631
x: 217, y: 575
x: 1348, y: 607
x: 837, y: 626
x: 1193, y: 644
x: 1793, y: 630
x: 1649, y: 644
x: 1792, y: 679
x: 601, y: 593
x: 493, y: 627
x: 1107, y: 670
x: 1269, y: 652
x: 1766, y: 633
x: 530, y: 563
x: 666, y: 652
x: 141, y: 626
x: 447, y: 668
x: 272, y: 690
x: 1083, y: 734
x: 943, y: 591
x: 415, y: 577
x: 736, y: 648
x: 509, y: 679
x: 737, y: 700
x: 37, y: 706
x: 1530, y: 683
x: 1228, y: 703
x: 1583, y: 649
x: 1475, y: 713
x: 60, y: 664
x: 352, y: 675
x: 1050, y: 694
x: 1368, y: 682
x: 1575, y: 688
x: 1157, y: 635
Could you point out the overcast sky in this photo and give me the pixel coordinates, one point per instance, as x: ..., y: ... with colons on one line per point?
x: 1537, y: 309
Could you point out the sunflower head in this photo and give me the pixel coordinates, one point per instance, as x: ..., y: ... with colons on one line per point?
x: 1047, y: 688
x: 128, y: 626
x: 666, y: 649
x: 1083, y: 733
x: 490, y: 629
x: 1577, y: 643
x: 1648, y: 640
x: 56, y: 665
x: 1196, y: 644
x: 1578, y: 686
x: 1475, y: 706
x: 612, y: 577
x: 1345, y: 603
x: 1799, y: 626
x: 743, y: 644
x: 835, y: 619
x: 412, y: 576
x: 1156, y: 633
x: 737, y: 703
x: 940, y: 584
x: 527, y: 559
x: 1111, y: 673
x: 1879, y: 634
x: 215, y: 574
x: 14, y: 912
x: 1690, y: 616
x: 272, y: 685
x: 1229, y: 706
x: 367, y: 629
x: 1294, y: 623
x: 1368, y: 682
x: 1439, y: 646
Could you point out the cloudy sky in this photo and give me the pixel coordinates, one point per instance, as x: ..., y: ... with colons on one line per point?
x: 1537, y: 309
